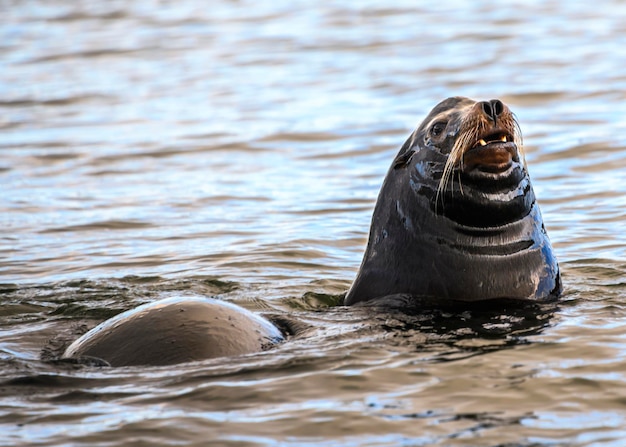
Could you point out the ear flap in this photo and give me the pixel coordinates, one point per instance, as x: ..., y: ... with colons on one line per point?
x: 406, y: 152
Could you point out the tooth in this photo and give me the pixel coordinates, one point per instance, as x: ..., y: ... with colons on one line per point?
x: 504, y: 138
x: 482, y: 142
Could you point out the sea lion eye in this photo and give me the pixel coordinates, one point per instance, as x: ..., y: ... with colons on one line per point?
x: 438, y: 128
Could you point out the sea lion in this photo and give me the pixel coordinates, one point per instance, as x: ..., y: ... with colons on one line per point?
x: 456, y: 218
x: 175, y: 330
x: 456, y: 221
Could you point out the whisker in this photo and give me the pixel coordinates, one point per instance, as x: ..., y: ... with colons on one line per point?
x: 518, y: 139
x: 468, y: 132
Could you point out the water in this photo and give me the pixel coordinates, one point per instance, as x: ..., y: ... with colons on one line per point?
x: 235, y: 149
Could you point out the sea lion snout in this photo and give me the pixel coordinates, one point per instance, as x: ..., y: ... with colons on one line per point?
x: 487, y: 145
x: 495, y: 150
x: 492, y: 147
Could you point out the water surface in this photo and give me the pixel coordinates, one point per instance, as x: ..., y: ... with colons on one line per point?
x: 235, y: 150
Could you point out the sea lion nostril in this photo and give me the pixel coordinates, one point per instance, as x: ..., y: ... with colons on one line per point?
x: 497, y: 107
x: 487, y: 108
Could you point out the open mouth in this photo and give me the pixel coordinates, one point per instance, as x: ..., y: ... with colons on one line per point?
x: 493, y: 137
x: 494, y: 152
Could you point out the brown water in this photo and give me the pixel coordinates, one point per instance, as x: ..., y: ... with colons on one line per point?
x: 235, y: 149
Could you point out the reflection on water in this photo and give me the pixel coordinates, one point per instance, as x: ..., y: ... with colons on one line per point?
x: 154, y: 149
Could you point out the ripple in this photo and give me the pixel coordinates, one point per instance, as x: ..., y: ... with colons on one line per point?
x: 153, y: 149
x: 104, y: 225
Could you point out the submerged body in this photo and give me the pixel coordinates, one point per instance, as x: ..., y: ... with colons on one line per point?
x: 176, y: 330
x: 456, y: 218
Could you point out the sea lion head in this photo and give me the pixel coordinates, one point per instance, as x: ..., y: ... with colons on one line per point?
x: 456, y: 217
x: 477, y: 160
